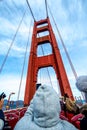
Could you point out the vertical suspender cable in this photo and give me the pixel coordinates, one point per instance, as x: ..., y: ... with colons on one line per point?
x: 46, y: 8
x: 72, y: 67
x: 35, y: 20
x: 30, y: 10
x: 47, y: 67
x: 23, y: 67
x: 11, y: 44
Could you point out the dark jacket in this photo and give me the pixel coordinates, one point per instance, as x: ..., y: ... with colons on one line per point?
x: 2, y: 115
x: 2, y: 120
x: 83, y: 124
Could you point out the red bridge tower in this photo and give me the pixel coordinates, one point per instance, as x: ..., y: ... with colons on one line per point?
x: 54, y: 60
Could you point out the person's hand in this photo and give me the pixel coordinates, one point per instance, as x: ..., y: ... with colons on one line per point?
x: 1, y: 103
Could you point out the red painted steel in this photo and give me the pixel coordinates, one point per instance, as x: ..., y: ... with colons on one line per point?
x: 54, y: 60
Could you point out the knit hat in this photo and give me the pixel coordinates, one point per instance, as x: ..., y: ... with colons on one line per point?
x: 43, y: 112
x: 81, y: 83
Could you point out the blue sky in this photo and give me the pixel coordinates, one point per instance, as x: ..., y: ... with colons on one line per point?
x: 71, y: 18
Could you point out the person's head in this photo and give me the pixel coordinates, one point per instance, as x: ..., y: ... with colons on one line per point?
x: 46, y: 106
x: 65, y: 96
x: 84, y: 113
x: 83, y: 109
x: 44, y: 112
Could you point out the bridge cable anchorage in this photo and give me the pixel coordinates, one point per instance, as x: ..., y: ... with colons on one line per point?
x: 30, y: 10
x: 47, y: 67
x: 72, y: 66
x: 46, y: 8
x: 4, y: 61
x: 23, y: 65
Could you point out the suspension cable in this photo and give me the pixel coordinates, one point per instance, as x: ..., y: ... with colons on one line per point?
x: 70, y: 62
x: 72, y: 67
x: 46, y: 8
x: 4, y: 61
x: 14, y: 4
x: 23, y: 66
x: 38, y: 34
x: 30, y: 10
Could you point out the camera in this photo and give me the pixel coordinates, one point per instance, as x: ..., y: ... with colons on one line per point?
x: 2, y: 95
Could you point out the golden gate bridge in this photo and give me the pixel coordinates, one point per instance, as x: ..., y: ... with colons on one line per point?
x: 36, y: 62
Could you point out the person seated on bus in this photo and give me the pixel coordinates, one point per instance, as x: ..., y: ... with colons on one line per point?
x: 70, y: 105
x: 43, y: 112
x: 2, y: 118
x: 83, y: 121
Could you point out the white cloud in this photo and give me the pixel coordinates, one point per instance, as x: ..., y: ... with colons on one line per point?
x: 72, y: 25
x: 20, y: 2
x: 7, y: 40
x: 10, y: 27
x: 7, y: 26
x: 10, y: 83
x: 15, y: 51
x: 83, y: 43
